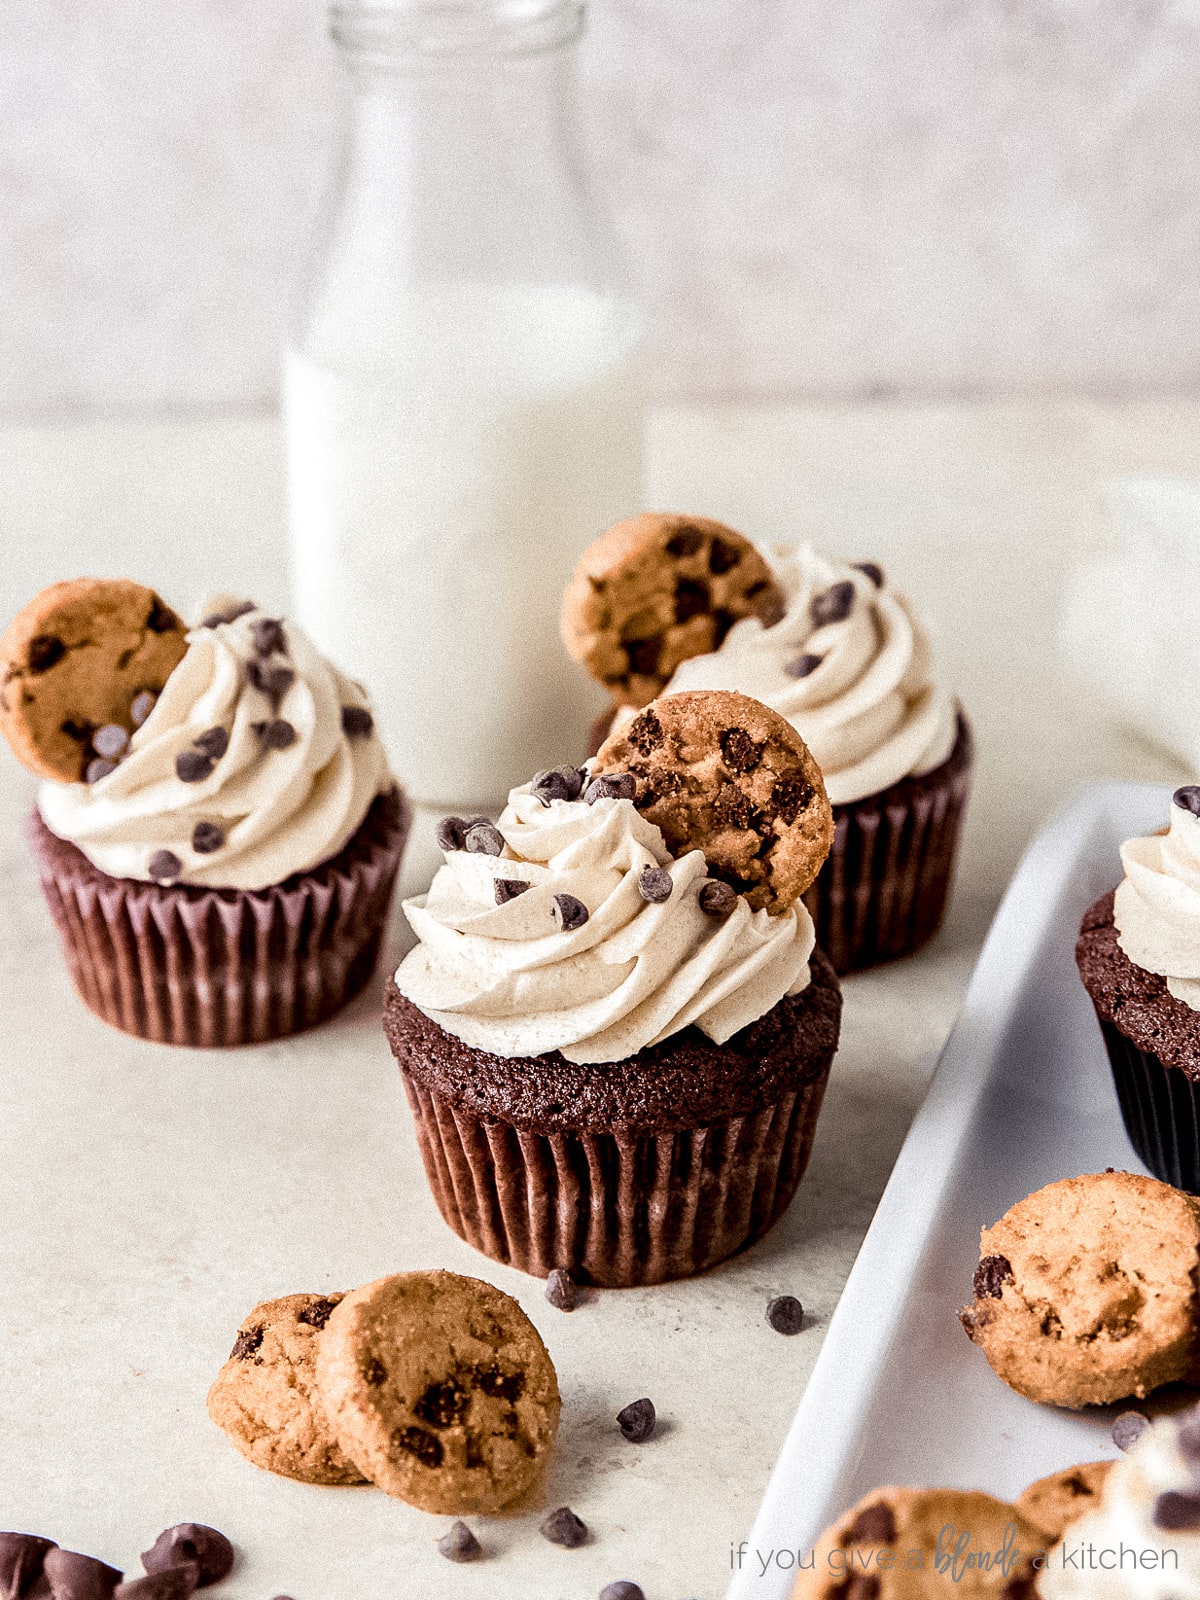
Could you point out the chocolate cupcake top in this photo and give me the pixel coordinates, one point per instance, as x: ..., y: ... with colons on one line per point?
x: 258, y: 759
x: 849, y: 665
x: 568, y: 925
x: 1156, y: 909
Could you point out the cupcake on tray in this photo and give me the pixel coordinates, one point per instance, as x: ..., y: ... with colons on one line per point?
x: 666, y: 603
x: 1139, y: 958
x: 218, y: 833
x: 615, y: 1030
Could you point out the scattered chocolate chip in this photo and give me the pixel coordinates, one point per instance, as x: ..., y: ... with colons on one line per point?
x: 46, y: 650
x: 655, y: 885
x: 174, y: 1583
x: 575, y: 778
x: 643, y: 655
x: 207, y: 837
x: 992, y: 1273
x: 160, y: 618
x: 685, y: 542
x: 803, y: 666
x: 272, y: 681
x: 317, y: 1314
x: 143, y: 705
x: 785, y: 1313
x: 833, y: 604
x: 1188, y: 798
x: 72, y: 1576
x: 193, y: 766
x: 722, y: 557
x: 636, y: 1420
x: 717, y: 899
x: 375, y: 1372
x: 357, y: 722
x: 484, y: 839
x: 692, y: 599
x: 564, y: 1527
x: 216, y: 618
x: 98, y: 768
x: 110, y: 740
x: 267, y: 636
x: 191, y: 1541
x: 247, y: 1344
x: 509, y: 888
x: 572, y: 913
x: 459, y: 1544
x: 1177, y: 1511
x: 21, y: 1557
x: 422, y: 1444
x: 164, y: 866
x: 1128, y: 1427
x: 214, y: 742
x: 551, y: 785
x: 560, y: 1290
x: 277, y: 734
x: 449, y: 833
x: 874, y: 1524
x: 622, y: 1590
x: 612, y: 786
x: 741, y: 752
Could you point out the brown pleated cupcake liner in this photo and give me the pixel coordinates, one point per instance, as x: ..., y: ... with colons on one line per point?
x: 217, y: 967
x: 616, y: 1209
x: 1160, y: 1106
x: 883, y: 890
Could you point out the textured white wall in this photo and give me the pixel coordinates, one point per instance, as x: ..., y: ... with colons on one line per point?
x: 866, y: 197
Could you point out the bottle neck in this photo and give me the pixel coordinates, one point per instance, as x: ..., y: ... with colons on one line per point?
x: 384, y: 37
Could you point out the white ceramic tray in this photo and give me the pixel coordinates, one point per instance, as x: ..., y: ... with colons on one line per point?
x: 1022, y: 1095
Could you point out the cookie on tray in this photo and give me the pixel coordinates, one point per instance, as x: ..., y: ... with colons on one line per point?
x: 1085, y: 1291
x: 1053, y: 1503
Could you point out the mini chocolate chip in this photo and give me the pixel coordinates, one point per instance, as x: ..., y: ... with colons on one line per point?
x: 375, y: 1372
x: 272, y: 681
x: 685, y: 542
x: 110, y: 740
x: 622, y: 1590
x: 509, y: 888
x: 551, y: 785
x: 572, y: 913
x: 193, y: 766
x: 72, y: 1576
x: 612, y: 786
x: 560, y: 1290
x: 790, y: 796
x: 240, y: 609
x: 575, y: 778
x: 732, y: 808
x: 164, y: 866
x: 459, y: 1544
x: 191, y: 1541
x: 160, y: 618
x: 174, y: 1583
x: 80, y: 731
x: 214, y: 742
x: 692, y: 599
x: 1177, y: 1512
x: 449, y: 833
x: 277, y: 734
x: 443, y: 1404
x: 643, y: 655
x: 357, y: 722
x: 565, y: 1528
x: 143, y: 705
x: 636, y: 1420
x: 268, y: 637
x: 1188, y: 798
x: 803, y: 666
x: 98, y: 767
x: 645, y: 733
x: 717, y: 899
x: 484, y: 839
x: 317, y: 1314
x: 247, y: 1344
x: 655, y: 885
x: 422, y: 1444
x: 500, y: 1385
x: 1128, y: 1427
x: 207, y: 837
x: 21, y: 1557
x: 785, y: 1313
x: 874, y: 1524
x: 872, y: 570
x: 992, y: 1273
x: 45, y: 651
x: 833, y: 604
x: 741, y: 752
x: 723, y: 557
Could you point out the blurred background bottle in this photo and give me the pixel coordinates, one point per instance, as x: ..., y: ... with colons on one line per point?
x: 463, y: 389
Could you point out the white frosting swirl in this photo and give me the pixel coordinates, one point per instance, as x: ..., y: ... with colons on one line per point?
x: 1119, y: 1551
x: 1157, y: 905
x: 279, y: 811
x: 870, y: 712
x: 505, y: 979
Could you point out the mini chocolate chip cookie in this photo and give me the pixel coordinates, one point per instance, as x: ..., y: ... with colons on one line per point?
x: 1086, y: 1291
x: 72, y: 664
x: 1054, y: 1503
x: 719, y: 772
x: 440, y: 1390
x: 655, y: 590
x: 265, y: 1396
x: 925, y: 1544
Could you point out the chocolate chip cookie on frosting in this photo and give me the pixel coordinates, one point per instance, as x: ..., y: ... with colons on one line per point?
x: 218, y: 837
x: 615, y: 1029
x: 845, y: 658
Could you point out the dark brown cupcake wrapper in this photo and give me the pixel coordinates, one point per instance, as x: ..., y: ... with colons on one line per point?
x: 883, y: 890
x: 617, y: 1209
x: 1160, y: 1106
x: 214, y: 967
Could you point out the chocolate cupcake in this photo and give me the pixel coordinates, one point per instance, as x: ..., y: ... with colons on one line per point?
x: 217, y: 838
x: 614, y: 1061
x: 843, y: 656
x: 1139, y: 957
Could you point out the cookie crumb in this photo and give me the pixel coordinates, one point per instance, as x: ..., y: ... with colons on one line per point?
x: 637, y: 1420
x: 458, y: 1543
x: 785, y: 1314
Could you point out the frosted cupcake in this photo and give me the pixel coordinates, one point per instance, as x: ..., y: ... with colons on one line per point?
x: 217, y: 838
x: 844, y: 657
x: 616, y: 1059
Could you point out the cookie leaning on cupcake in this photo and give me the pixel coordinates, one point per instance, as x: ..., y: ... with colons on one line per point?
x: 217, y: 833
x: 667, y: 603
x: 615, y: 1030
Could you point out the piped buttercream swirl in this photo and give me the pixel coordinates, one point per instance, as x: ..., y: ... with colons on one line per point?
x: 1156, y: 909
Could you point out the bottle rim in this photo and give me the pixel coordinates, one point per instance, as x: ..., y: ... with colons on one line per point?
x: 401, y: 33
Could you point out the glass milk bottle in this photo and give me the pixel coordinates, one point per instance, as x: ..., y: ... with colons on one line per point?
x: 462, y: 390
